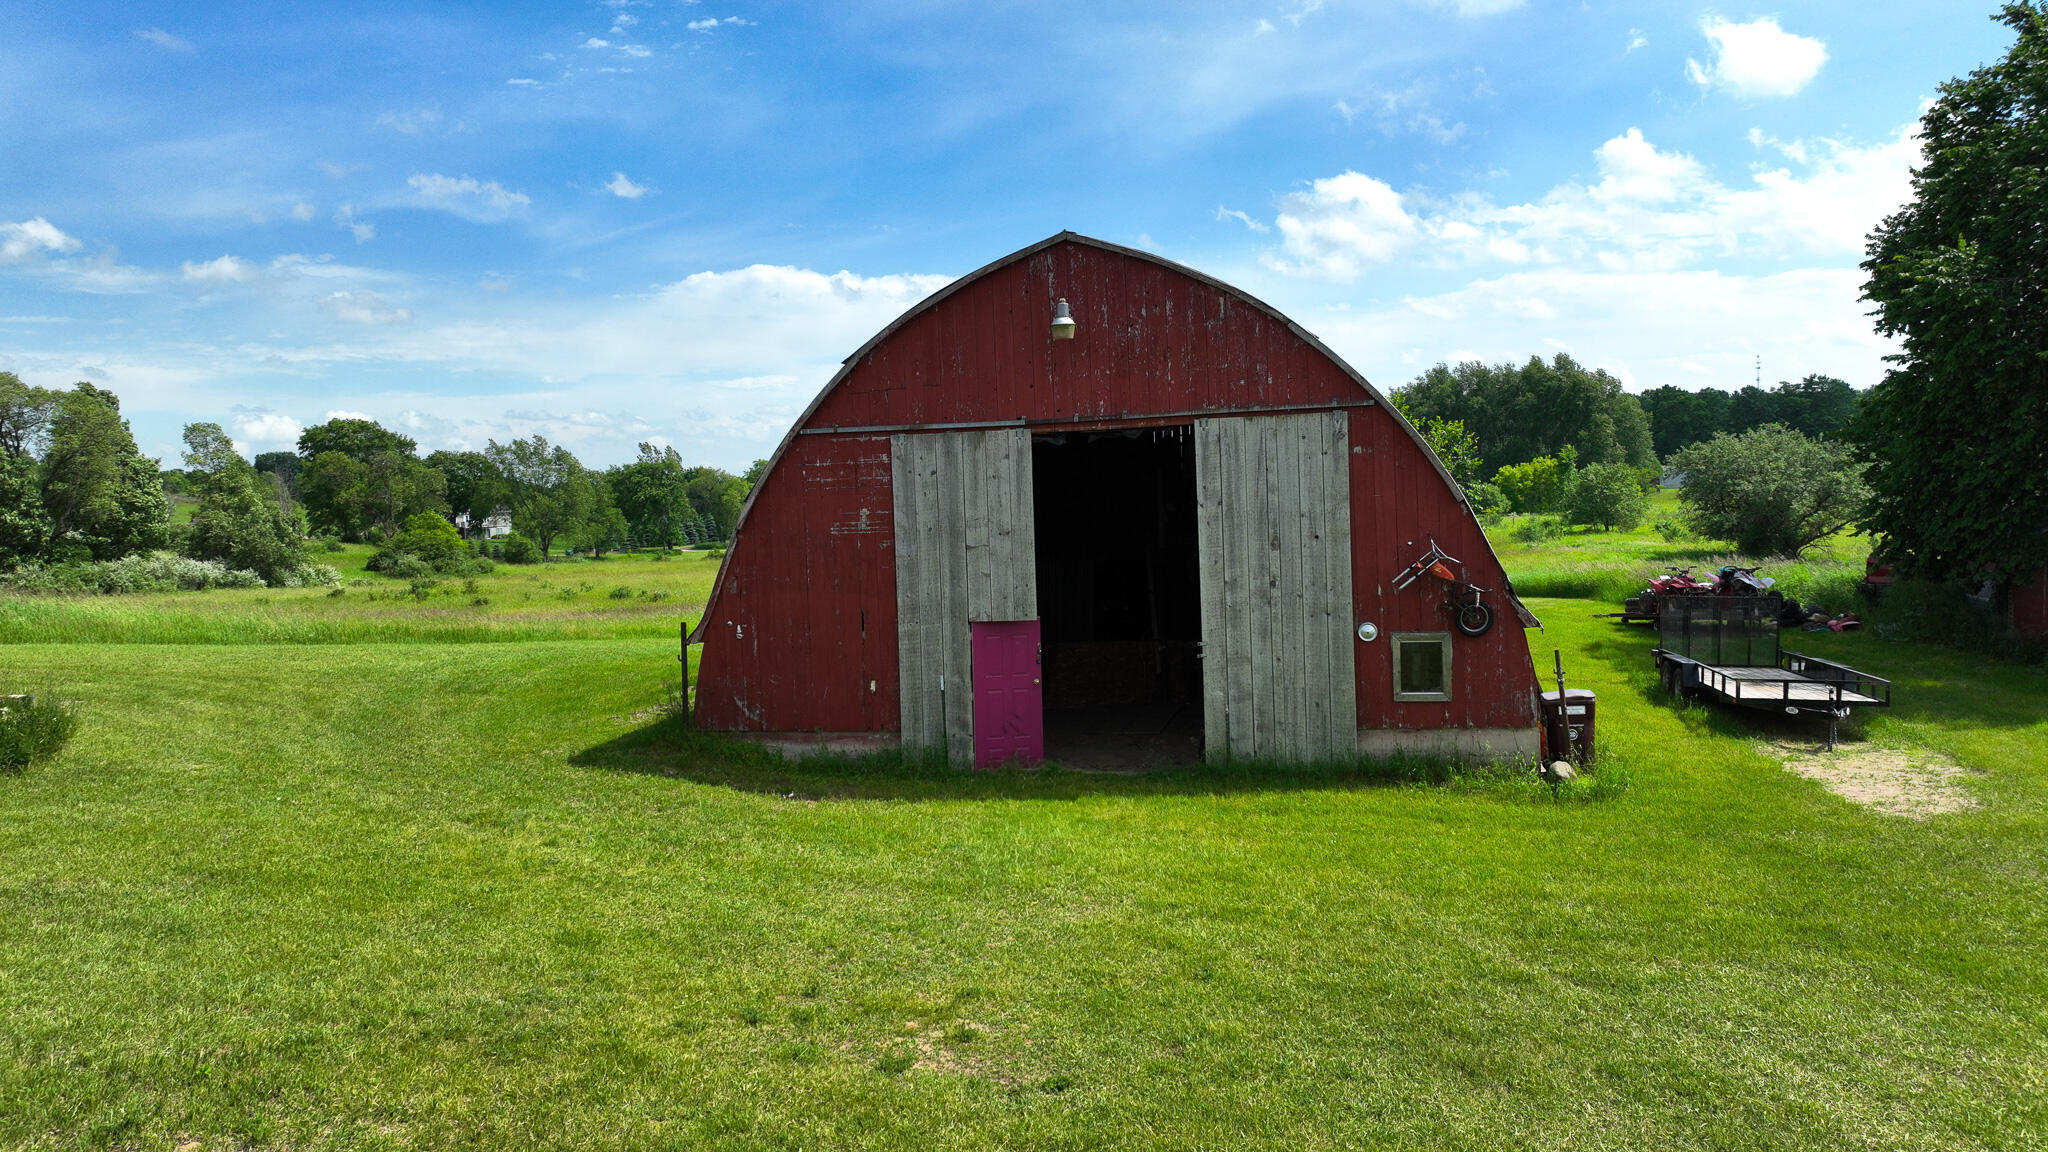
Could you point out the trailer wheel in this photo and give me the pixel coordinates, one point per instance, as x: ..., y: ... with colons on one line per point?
x: 1475, y: 619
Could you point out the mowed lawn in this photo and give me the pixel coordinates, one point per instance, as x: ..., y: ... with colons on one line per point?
x: 416, y: 894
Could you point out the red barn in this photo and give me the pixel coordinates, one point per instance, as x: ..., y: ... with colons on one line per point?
x: 1180, y: 515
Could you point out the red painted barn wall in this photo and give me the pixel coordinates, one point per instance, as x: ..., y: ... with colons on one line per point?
x: 804, y: 632
x: 1398, y: 502
x: 801, y: 632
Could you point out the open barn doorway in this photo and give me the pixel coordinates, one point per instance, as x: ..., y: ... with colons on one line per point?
x: 1119, y: 596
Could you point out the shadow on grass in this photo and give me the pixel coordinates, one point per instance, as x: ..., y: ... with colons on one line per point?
x: 669, y: 749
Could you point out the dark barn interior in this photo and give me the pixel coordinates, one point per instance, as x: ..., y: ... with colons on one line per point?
x: 1119, y: 595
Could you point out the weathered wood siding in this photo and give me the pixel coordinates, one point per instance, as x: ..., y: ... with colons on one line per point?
x: 964, y: 552
x: 1273, y: 534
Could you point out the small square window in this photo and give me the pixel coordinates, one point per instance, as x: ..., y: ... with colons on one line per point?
x: 1422, y: 666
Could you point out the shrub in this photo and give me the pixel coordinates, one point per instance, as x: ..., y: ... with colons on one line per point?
x: 1608, y: 495
x: 1770, y: 490
x: 406, y: 566
x: 1673, y: 530
x: 1538, y: 485
x: 620, y: 593
x: 1488, y: 501
x: 33, y: 727
x: 142, y: 572
x: 518, y: 549
x: 1537, y: 529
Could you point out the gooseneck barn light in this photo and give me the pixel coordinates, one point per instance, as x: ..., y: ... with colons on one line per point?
x: 1062, y: 322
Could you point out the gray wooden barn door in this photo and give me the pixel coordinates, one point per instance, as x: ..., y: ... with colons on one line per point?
x: 1273, y: 530
x: 964, y: 552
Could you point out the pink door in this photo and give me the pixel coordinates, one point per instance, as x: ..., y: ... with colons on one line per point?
x: 1009, y: 714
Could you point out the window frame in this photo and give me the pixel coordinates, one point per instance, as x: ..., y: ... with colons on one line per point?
x: 1443, y: 642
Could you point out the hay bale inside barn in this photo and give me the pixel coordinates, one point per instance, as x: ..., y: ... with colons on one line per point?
x: 1174, y: 532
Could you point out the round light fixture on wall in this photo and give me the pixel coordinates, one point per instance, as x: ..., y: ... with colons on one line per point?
x: 1368, y: 632
x: 1062, y: 322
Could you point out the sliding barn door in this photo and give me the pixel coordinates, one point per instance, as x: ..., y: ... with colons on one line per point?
x: 1273, y: 528
x: 964, y: 553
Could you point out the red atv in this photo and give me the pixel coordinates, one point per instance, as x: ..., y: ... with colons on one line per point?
x: 1675, y: 582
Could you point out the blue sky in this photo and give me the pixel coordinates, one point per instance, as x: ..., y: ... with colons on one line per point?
x: 609, y: 222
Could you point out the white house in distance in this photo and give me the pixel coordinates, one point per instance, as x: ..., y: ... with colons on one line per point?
x: 498, y: 523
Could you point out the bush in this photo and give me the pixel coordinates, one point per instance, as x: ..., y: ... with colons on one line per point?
x: 1537, y: 529
x: 33, y: 727
x: 1770, y: 490
x: 1489, y: 503
x: 517, y: 549
x: 1608, y: 495
x: 1673, y: 530
x: 142, y: 572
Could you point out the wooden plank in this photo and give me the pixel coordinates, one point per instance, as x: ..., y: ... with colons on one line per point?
x: 1312, y: 437
x: 1341, y: 723
x: 1021, y: 532
x: 912, y: 690
x: 1258, y: 527
x: 955, y: 652
x: 1210, y: 568
x: 1240, y: 462
x: 970, y: 475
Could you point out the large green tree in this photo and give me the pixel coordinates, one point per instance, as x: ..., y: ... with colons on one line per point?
x: 475, y: 486
x: 1772, y: 490
x: 361, y: 479
x: 102, y: 496
x: 650, y: 493
x: 1956, y: 435
x: 1536, y: 409
x: 549, y: 490
x: 240, y: 520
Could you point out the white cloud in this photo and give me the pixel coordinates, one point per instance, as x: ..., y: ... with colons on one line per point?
x: 163, y: 39
x: 594, y: 42
x: 266, y: 428
x: 345, y: 414
x: 1757, y: 59
x: 1649, y: 209
x: 362, y: 230
x: 1478, y: 7
x: 625, y: 189
x: 1243, y: 218
x: 710, y: 23
x: 302, y: 211
x: 411, y: 122
x: 482, y: 201
x: 18, y: 241
x: 523, y: 82
x: 1343, y: 223
x: 226, y: 269
x: 1690, y: 328
x: 637, y: 51
x: 359, y: 306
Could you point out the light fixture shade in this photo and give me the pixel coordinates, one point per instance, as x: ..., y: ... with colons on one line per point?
x: 1062, y: 322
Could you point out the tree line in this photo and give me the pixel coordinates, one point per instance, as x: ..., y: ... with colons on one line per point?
x: 75, y: 489
x: 1553, y: 437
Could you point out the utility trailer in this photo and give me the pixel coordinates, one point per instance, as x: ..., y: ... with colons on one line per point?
x: 1725, y: 648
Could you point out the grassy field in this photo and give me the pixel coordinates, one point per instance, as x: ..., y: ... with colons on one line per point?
x: 403, y: 884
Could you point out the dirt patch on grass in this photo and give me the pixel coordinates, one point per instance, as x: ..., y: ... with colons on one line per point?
x: 1914, y: 783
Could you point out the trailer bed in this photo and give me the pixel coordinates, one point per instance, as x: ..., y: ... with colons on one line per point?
x: 1777, y: 685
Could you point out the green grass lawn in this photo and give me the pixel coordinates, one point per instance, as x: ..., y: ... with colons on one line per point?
x: 445, y: 890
